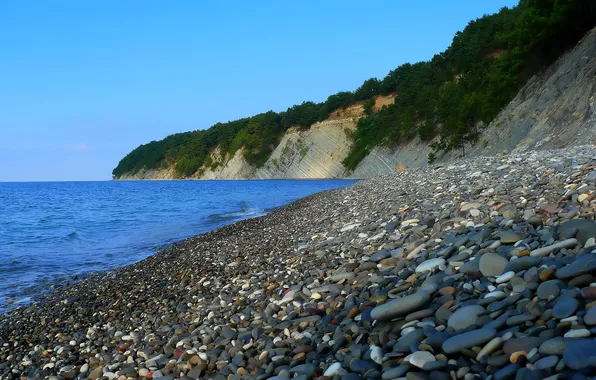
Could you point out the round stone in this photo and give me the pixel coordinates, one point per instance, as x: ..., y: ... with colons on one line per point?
x: 580, y: 354
x: 565, y: 308
x: 420, y: 358
x: 466, y: 316
x: 509, y: 237
x: 547, y: 362
x: 492, y: 265
x: 548, y: 290
x: 555, y: 346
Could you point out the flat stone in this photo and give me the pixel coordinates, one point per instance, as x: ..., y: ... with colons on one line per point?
x: 585, y: 229
x: 545, y: 251
x: 522, y: 263
x: 420, y: 314
x: 584, y: 264
x: 393, y: 373
x: 380, y: 255
x: 498, y: 361
x: 464, y: 317
x: 362, y: 366
x: 509, y: 237
x: 577, y: 333
x: 468, y: 339
x: 304, y: 369
x: 420, y: 358
x: 555, y: 346
x: 430, y: 265
x: 583, y: 280
x: 492, y: 265
x: 507, y: 372
x: 546, y: 362
x: 403, y: 343
x: 505, y: 277
x: 519, y: 319
x: 376, y: 354
x: 335, y: 369
x: 565, y: 308
x: 471, y: 268
x: 401, y: 306
x: 490, y: 347
x: 548, y: 290
x: 590, y: 316
x: 342, y: 276
x: 525, y: 344
x: 580, y: 354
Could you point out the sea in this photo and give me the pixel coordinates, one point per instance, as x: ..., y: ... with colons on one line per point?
x: 54, y: 233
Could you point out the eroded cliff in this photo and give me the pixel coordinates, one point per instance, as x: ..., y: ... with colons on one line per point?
x: 555, y: 109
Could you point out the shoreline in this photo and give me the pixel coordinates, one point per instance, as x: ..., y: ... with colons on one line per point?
x: 100, y: 274
x: 332, y: 284
x: 146, y: 239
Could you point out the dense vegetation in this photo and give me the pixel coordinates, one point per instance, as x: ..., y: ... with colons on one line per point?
x: 450, y: 96
x: 465, y: 87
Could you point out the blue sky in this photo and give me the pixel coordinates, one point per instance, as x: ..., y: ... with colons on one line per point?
x: 82, y: 83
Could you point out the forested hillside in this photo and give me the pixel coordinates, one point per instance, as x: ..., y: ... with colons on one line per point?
x: 451, y: 96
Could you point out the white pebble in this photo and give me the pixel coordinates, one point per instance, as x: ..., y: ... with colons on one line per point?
x: 505, y: 277
x: 579, y: 333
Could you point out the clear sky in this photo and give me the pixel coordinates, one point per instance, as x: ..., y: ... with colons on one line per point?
x: 84, y: 82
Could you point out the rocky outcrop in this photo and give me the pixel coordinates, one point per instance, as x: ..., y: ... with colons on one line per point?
x: 313, y: 153
x: 151, y: 174
x: 553, y: 110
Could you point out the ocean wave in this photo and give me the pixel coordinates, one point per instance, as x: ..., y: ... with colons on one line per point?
x: 244, y: 211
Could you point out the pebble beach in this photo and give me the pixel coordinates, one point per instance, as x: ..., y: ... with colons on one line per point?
x: 482, y: 268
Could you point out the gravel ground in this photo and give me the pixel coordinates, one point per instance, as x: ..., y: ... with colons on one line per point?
x: 483, y: 268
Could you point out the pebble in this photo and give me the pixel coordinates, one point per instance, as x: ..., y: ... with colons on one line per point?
x: 580, y: 354
x: 464, y: 317
x: 546, y: 362
x: 400, y: 306
x: 505, y: 277
x: 430, y: 265
x: 583, y: 264
x: 468, y: 339
x: 548, y: 290
x: 420, y: 358
x: 509, y: 237
x: 490, y: 347
x: 590, y: 316
x: 492, y: 265
x: 545, y: 251
x: 565, y: 308
x: 334, y: 369
x: 389, y: 278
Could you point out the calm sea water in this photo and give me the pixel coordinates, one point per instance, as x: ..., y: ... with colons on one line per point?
x: 52, y: 232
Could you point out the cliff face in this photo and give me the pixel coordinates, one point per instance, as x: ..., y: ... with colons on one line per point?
x: 554, y: 109
x: 314, y: 153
